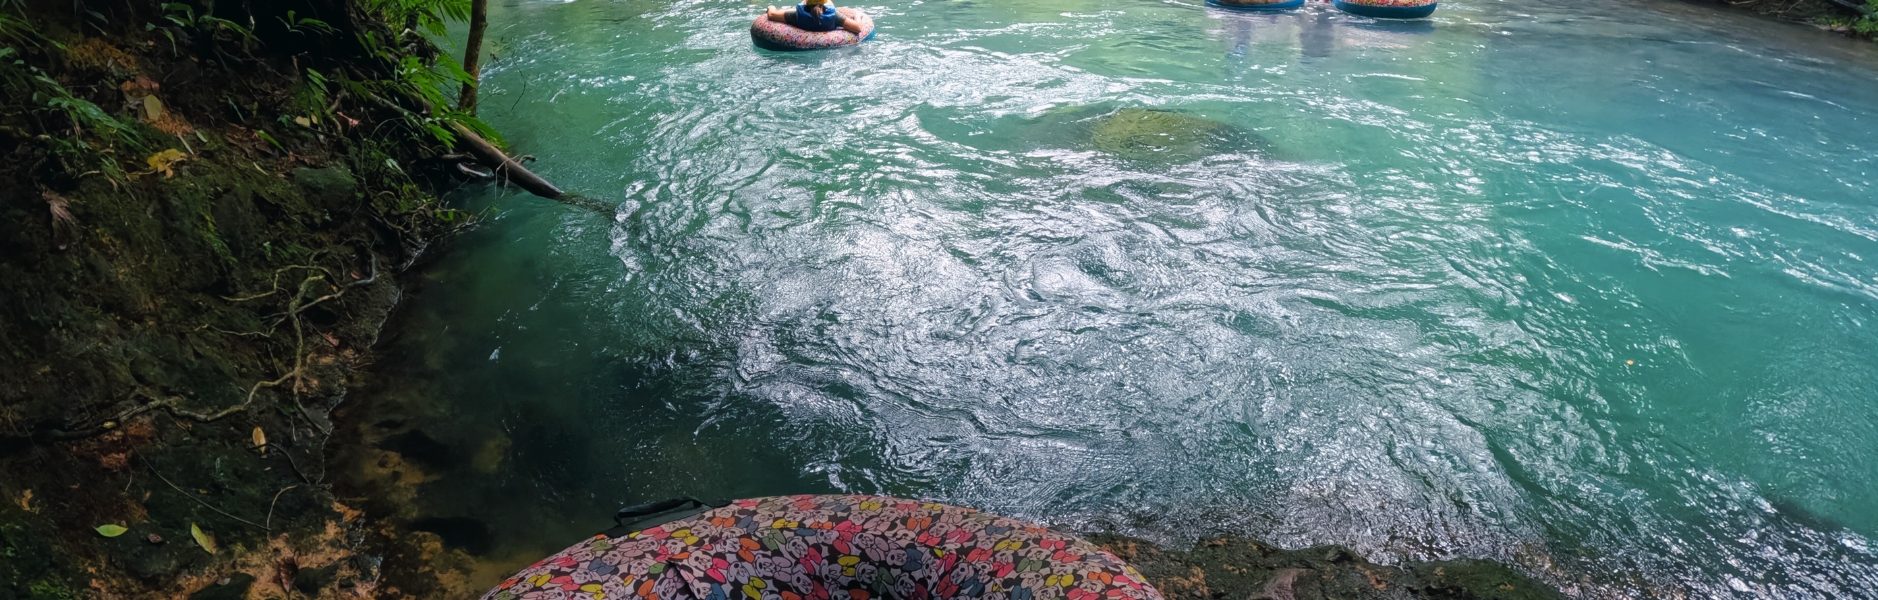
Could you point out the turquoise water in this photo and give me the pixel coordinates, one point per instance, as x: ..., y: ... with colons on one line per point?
x: 1589, y: 287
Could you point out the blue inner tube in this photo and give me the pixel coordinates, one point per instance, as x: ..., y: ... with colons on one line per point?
x: 1386, y: 12
x: 1228, y: 4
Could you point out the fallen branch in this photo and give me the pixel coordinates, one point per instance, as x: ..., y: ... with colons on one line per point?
x: 495, y: 158
x: 508, y: 168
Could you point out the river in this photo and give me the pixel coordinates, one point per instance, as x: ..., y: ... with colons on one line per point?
x: 1588, y: 287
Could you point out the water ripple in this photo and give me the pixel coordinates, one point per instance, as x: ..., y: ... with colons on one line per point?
x: 1522, y: 282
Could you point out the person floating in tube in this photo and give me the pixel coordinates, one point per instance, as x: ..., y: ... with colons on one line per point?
x: 814, y: 15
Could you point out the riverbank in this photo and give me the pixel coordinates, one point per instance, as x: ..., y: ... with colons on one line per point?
x: 1825, y: 14
x: 205, y: 217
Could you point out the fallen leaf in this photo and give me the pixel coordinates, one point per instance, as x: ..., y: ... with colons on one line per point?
x: 165, y: 162
x: 152, y: 109
x: 259, y: 437
x: 303, y: 121
x: 111, y: 530
x: 203, y: 539
x: 26, y: 501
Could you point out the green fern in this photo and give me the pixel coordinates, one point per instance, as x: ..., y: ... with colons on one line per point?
x: 427, y: 16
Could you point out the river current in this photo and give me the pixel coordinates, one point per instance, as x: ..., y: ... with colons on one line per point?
x: 1589, y: 287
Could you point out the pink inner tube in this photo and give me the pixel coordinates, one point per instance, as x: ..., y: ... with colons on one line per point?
x: 832, y: 548
x: 789, y: 37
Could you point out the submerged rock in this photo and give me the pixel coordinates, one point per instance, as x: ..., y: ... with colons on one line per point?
x: 1163, y: 135
x: 465, y: 533
x: 1133, y: 133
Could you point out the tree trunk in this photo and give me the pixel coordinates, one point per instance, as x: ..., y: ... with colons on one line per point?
x: 473, y: 55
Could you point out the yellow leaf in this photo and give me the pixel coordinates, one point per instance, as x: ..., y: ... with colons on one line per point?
x: 259, y: 437
x: 111, y: 530
x: 26, y: 501
x: 152, y: 109
x: 165, y: 162
x: 203, y: 539
x: 303, y: 121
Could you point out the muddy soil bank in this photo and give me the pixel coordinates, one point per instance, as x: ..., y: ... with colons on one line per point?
x: 200, y: 230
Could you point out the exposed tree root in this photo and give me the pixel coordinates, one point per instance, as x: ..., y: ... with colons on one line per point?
x: 269, y: 521
x: 205, y: 503
x: 297, y: 375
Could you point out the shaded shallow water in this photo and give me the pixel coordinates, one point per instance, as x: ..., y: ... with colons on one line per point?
x: 1589, y: 287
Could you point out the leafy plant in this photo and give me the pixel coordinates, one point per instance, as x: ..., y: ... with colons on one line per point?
x: 313, y: 94
x: 424, y: 16
x: 93, y: 132
x: 184, y: 19
x: 301, y: 25
x: 1868, y: 24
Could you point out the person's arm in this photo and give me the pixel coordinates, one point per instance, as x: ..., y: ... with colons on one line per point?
x: 780, y: 15
x: 851, y: 25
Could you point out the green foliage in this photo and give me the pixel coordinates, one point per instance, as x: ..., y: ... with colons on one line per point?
x: 15, y: 32
x: 1868, y: 24
x: 37, y: 98
x: 184, y: 22
x: 43, y: 589
x: 313, y: 94
x: 301, y: 25
x: 426, y: 16
x: 428, y: 83
x: 212, y: 237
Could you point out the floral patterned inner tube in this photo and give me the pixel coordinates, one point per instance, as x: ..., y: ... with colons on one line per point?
x: 1256, y: 4
x: 1388, y: 9
x: 776, y: 35
x: 832, y: 547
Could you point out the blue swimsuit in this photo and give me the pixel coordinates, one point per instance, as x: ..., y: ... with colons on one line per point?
x: 830, y: 21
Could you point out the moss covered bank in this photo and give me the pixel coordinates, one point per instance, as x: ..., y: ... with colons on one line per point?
x: 205, y: 207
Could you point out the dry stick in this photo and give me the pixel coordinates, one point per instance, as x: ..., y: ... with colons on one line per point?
x: 204, y: 503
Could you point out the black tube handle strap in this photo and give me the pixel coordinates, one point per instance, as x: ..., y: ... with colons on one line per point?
x: 641, y: 516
